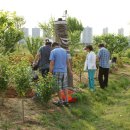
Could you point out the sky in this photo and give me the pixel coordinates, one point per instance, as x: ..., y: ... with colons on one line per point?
x: 97, y: 14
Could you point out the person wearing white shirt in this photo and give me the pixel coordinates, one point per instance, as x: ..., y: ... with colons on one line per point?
x: 91, y: 66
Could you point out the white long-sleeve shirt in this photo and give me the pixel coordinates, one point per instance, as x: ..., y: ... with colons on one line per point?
x: 91, y: 60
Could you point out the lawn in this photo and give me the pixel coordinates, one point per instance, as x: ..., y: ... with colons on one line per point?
x: 107, y: 109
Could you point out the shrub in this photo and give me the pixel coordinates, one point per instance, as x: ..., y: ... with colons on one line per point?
x: 119, y: 62
x: 45, y: 88
x: 126, y: 60
x: 3, y: 76
x: 128, y: 54
x: 22, y: 78
x: 15, y: 58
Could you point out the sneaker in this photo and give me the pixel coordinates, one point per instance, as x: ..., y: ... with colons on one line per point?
x: 66, y: 104
x: 58, y: 103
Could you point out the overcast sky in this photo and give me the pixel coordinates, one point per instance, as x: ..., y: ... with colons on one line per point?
x: 97, y: 14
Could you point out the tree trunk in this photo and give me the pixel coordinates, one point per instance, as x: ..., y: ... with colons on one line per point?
x: 22, y: 110
x: 80, y: 76
x: 2, y: 94
x: 70, y: 76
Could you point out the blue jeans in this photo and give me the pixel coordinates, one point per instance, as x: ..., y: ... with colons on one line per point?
x: 91, y: 74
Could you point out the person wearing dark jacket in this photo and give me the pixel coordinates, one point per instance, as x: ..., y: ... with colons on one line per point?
x: 42, y: 58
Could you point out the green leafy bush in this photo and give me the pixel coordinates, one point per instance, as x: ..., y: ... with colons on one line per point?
x: 4, y: 77
x: 128, y: 54
x: 45, y: 88
x: 126, y: 60
x: 119, y: 62
x: 22, y: 78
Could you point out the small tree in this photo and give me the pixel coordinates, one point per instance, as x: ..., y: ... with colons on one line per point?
x: 75, y: 28
x: 74, y: 24
x: 22, y: 79
x: 46, y: 87
x: 48, y: 28
x: 78, y: 63
x: 18, y: 21
x: 74, y: 42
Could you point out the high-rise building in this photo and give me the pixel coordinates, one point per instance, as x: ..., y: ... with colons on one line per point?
x: 35, y: 32
x: 26, y: 32
x: 105, y: 31
x: 121, y: 31
x: 87, y: 36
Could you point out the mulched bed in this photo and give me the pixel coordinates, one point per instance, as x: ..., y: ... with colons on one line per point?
x: 11, y: 93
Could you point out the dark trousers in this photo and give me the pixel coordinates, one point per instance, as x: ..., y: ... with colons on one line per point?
x: 103, y: 77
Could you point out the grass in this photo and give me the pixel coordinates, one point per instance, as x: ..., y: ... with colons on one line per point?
x: 107, y: 109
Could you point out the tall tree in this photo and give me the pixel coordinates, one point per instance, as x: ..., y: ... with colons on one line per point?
x: 48, y: 28
x: 74, y: 24
x: 34, y: 44
x: 18, y: 21
x: 75, y: 28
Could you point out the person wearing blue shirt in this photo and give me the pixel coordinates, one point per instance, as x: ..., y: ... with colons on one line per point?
x: 104, y: 58
x: 59, y: 62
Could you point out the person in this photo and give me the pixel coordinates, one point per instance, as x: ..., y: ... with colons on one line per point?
x: 42, y: 58
x: 58, y: 67
x: 91, y: 66
x: 104, y: 58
